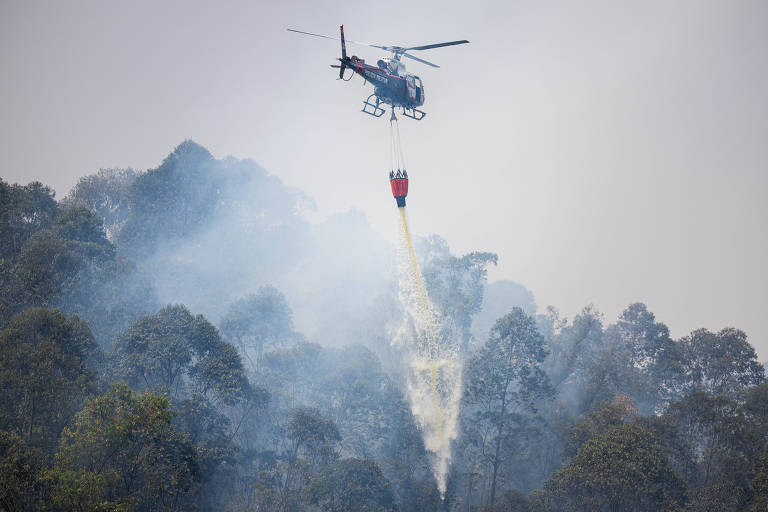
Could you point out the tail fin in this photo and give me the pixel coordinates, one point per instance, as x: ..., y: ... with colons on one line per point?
x: 343, y: 58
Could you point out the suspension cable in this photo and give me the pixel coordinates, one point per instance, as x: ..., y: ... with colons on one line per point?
x: 397, y: 159
x: 399, y: 144
x: 392, y: 154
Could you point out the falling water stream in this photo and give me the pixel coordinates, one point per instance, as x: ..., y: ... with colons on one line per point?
x: 434, y: 368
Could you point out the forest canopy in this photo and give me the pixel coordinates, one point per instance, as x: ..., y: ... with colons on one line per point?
x: 185, y: 339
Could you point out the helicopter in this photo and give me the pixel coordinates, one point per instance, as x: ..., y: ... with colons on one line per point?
x: 393, y: 85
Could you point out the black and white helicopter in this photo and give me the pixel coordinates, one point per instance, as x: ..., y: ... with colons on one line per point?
x: 393, y: 85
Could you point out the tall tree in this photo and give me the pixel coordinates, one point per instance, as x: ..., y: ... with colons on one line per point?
x: 352, y: 484
x: 505, y: 382
x: 624, y: 469
x: 177, y: 353
x: 455, y: 284
x: 47, y: 363
x: 20, y: 465
x: 123, y: 453
x: 106, y: 195
x: 312, y: 446
x: 722, y: 363
x: 24, y: 210
x: 724, y: 440
x: 258, y: 321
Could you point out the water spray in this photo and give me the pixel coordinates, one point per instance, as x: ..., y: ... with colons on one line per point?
x: 434, y: 377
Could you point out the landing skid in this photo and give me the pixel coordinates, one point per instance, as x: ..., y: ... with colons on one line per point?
x: 373, y: 109
x: 414, y: 113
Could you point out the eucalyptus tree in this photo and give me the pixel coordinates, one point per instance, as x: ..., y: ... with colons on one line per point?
x: 505, y: 383
x: 48, y: 364
x: 259, y: 321
x: 177, y: 353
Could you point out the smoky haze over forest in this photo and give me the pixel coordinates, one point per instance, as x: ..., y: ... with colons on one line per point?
x: 570, y: 316
x: 203, y: 327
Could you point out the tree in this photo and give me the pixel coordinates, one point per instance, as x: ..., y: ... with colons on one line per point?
x: 55, y: 255
x: 359, y: 397
x: 623, y: 469
x: 258, y: 321
x: 596, y: 423
x: 512, y: 501
x: 44, y: 268
x: 111, y: 297
x: 170, y: 202
x: 290, y: 372
x: 756, y: 408
x: 646, y: 357
x: 722, y: 495
x: 46, y: 371
x: 721, y: 363
x: 759, y: 485
x: 19, y: 466
x: 314, y: 437
x: 106, y: 195
x: 352, y: 485
x: 504, y: 382
x: 573, y: 349
x: 455, y: 284
x: 24, y: 210
x: 175, y: 352
x: 723, y: 439
x: 123, y: 453
x: 83, y: 233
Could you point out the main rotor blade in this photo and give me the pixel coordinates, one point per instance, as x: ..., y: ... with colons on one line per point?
x: 331, y: 37
x: 437, y: 45
x: 311, y: 34
x: 421, y: 60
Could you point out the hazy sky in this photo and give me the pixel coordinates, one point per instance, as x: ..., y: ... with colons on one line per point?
x: 608, y: 151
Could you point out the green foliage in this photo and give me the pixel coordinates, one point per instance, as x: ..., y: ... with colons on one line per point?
x: 504, y: 385
x: 106, y: 195
x: 60, y: 257
x: 717, y: 431
x: 110, y: 297
x: 44, y: 374
x: 623, y: 469
x: 721, y: 363
x: 45, y: 268
x: 312, y: 434
x: 352, y: 485
x: 19, y: 465
x: 612, y: 416
x: 83, y: 234
x: 24, y: 210
x: 722, y: 495
x: 170, y: 202
x: 759, y: 485
x: 511, y: 501
x: 123, y: 453
x: 257, y: 322
x: 174, y: 350
x: 595, y: 424
x: 289, y: 372
x: 756, y: 408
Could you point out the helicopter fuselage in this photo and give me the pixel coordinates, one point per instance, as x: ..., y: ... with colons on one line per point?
x: 406, y: 90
